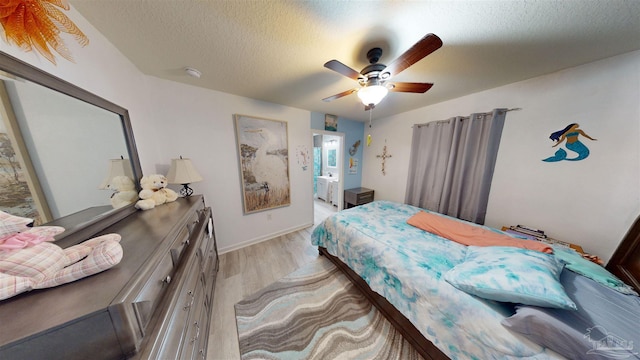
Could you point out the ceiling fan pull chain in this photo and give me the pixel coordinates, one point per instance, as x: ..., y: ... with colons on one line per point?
x: 369, y: 136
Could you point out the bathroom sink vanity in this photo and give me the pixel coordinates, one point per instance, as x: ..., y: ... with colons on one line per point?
x: 327, y: 189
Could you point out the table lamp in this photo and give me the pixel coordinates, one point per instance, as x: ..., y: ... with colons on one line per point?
x: 183, y: 172
x: 117, y: 167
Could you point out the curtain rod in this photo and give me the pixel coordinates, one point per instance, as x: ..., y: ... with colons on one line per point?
x: 464, y: 117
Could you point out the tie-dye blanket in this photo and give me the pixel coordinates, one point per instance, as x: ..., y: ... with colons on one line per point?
x: 405, y: 265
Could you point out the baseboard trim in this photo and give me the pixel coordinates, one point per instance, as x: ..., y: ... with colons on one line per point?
x: 262, y: 238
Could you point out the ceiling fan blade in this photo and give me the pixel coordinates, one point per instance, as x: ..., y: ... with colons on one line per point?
x: 419, y: 50
x: 337, y: 96
x: 342, y: 69
x: 410, y: 87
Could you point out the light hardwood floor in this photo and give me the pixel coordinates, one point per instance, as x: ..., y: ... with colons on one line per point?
x: 247, y: 270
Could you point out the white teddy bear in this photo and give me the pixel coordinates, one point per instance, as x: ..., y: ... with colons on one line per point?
x: 125, y: 191
x: 154, y: 192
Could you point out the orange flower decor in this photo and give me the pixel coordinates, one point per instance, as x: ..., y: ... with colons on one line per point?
x: 38, y: 24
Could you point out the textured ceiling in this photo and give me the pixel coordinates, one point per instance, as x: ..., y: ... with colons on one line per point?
x: 275, y: 50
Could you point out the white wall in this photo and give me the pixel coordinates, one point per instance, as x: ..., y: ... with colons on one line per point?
x: 171, y: 119
x: 590, y: 202
x: 199, y: 124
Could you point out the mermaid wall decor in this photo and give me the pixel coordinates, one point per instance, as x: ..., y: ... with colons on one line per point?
x: 571, y: 136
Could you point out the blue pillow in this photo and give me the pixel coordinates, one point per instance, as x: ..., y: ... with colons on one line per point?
x: 576, y: 263
x: 510, y: 274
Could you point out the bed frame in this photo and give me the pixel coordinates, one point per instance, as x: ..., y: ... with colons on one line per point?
x: 625, y: 263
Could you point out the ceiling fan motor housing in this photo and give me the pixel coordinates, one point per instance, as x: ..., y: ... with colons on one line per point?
x: 374, y: 55
x: 373, y: 71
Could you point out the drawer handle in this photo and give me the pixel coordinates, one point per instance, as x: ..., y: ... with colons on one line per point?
x: 188, y: 306
x: 167, y: 280
x: 195, y: 338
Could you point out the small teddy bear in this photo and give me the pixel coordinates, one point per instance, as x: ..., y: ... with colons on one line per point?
x: 124, y: 191
x: 154, y: 192
x: 29, y: 260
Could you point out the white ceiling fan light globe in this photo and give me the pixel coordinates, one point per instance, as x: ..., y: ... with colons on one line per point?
x: 372, y: 94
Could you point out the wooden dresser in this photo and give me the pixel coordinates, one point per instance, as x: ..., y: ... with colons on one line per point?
x: 155, y: 304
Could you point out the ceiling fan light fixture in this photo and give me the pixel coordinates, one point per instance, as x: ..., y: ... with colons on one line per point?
x: 373, y: 77
x: 372, y: 94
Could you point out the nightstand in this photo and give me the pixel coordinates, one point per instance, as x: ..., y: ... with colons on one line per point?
x: 357, y: 196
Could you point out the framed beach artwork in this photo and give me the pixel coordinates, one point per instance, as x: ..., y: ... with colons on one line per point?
x: 330, y: 122
x: 263, y: 153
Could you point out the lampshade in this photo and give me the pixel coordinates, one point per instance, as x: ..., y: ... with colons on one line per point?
x: 372, y: 94
x: 117, y: 167
x: 183, y: 172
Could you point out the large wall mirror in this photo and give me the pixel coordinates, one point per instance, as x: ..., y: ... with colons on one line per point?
x: 57, y: 143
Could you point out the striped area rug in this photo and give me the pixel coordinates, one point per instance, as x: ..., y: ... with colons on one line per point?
x: 316, y: 313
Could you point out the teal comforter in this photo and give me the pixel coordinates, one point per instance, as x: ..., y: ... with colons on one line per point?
x: 405, y: 265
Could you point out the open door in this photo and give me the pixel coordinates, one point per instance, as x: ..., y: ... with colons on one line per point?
x: 328, y: 170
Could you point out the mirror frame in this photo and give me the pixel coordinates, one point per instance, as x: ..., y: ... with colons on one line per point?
x: 79, y: 227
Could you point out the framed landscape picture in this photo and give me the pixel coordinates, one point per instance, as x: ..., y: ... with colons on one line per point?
x: 263, y: 153
x: 20, y: 190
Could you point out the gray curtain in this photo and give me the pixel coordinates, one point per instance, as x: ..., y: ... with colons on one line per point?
x: 452, y: 162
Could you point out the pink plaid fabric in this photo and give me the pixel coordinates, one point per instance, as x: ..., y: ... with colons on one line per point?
x: 46, y: 264
x: 13, y: 285
x: 30, y: 237
x: 11, y: 224
x: 102, y: 257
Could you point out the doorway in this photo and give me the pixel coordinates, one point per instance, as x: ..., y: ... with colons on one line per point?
x: 328, y: 173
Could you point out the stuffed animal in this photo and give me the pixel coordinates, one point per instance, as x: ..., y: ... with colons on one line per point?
x: 154, y: 192
x: 124, y: 191
x: 28, y: 259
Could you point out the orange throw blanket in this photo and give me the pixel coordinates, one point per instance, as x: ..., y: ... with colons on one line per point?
x: 468, y: 234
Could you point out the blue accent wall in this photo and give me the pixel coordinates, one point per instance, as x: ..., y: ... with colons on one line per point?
x: 353, y: 131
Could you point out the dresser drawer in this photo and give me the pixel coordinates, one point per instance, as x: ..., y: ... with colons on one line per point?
x: 193, y: 221
x: 203, y: 251
x: 205, y: 320
x: 364, y: 198
x: 180, y: 245
x: 149, y: 298
x: 185, y: 304
x: 196, y: 331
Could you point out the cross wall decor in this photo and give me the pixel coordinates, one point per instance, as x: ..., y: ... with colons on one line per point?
x: 384, y: 157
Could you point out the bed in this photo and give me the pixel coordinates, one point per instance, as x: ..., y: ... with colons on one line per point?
x: 417, y: 280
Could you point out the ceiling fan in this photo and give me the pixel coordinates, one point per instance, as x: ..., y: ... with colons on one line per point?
x: 374, y: 78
